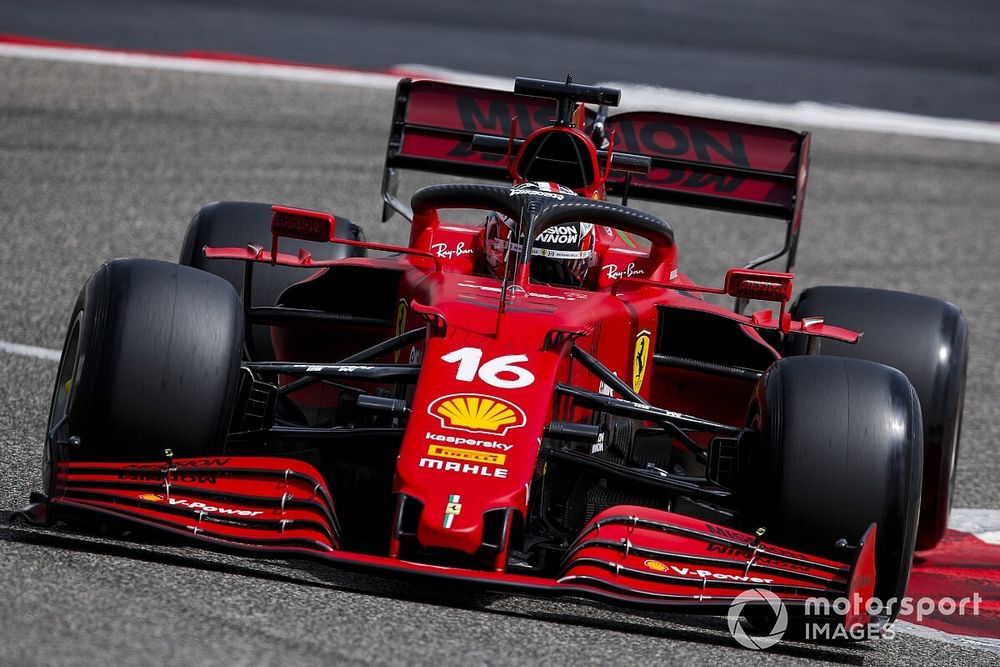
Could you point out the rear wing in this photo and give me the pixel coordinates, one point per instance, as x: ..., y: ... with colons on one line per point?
x: 434, y: 122
x: 700, y: 162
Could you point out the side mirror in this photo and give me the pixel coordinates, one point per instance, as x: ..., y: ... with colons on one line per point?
x: 759, y: 285
x: 297, y: 223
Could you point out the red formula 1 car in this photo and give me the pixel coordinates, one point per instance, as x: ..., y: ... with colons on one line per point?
x: 456, y: 410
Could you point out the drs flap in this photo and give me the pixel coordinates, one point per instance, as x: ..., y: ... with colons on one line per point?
x: 712, y: 163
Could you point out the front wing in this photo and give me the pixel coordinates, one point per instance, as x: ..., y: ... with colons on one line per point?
x: 627, y: 555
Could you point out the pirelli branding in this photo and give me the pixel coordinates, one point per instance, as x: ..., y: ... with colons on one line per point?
x: 459, y: 454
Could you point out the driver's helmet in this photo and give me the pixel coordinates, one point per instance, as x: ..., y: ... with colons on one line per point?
x: 560, y: 255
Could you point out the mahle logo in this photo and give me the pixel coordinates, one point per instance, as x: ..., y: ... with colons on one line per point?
x: 758, y: 598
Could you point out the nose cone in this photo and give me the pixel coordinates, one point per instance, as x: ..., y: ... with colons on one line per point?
x: 472, y: 439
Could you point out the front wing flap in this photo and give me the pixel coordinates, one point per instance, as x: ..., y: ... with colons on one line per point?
x: 675, y: 557
x: 627, y: 555
x: 252, y: 501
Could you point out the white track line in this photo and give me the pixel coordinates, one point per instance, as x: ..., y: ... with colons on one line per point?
x: 964, y: 641
x: 803, y: 114
x: 30, y: 351
x: 204, y: 66
x: 984, y: 524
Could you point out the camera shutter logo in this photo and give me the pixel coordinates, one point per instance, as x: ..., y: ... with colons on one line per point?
x: 757, y: 597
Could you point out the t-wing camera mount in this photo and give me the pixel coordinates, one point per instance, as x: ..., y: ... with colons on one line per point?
x: 567, y: 94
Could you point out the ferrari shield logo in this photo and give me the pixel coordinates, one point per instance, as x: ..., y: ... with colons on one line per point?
x: 640, y: 359
x: 400, y: 325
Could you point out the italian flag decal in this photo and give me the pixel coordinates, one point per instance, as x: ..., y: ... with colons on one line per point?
x: 452, y: 509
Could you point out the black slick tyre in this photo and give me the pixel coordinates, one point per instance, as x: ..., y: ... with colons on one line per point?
x: 151, y: 361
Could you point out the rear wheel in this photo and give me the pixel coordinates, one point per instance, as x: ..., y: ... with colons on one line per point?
x: 237, y: 224
x: 839, y: 448
x: 925, y: 338
x: 151, y: 361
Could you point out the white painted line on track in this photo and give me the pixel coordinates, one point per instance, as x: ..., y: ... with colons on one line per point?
x: 974, y: 520
x: 30, y: 351
x: 802, y: 114
x: 983, y: 523
x: 203, y: 66
x: 964, y: 641
x: 990, y: 537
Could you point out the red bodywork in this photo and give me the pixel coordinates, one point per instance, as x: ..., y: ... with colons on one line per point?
x: 495, y: 355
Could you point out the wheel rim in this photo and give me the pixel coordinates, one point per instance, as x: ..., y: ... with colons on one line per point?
x: 62, y: 401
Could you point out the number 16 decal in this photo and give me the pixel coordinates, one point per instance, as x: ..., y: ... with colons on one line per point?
x: 469, y: 358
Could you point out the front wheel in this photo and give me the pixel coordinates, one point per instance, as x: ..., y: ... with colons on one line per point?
x: 840, y: 446
x: 151, y: 361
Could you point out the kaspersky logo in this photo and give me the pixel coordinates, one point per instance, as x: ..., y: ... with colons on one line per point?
x: 477, y: 413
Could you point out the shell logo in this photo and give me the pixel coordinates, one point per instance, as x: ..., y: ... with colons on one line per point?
x: 151, y: 497
x: 655, y: 565
x: 477, y: 413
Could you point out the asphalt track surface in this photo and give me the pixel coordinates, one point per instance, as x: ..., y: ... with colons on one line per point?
x: 99, y: 162
x: 932, y: 58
